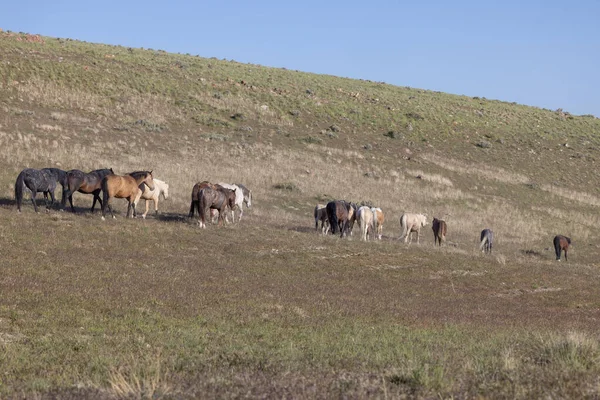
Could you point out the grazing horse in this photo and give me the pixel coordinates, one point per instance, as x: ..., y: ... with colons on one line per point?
x: 364, y: 217
x: 218, y: 198
x: 239, y: 199
x: 320, y: 214
x: 439, y: 231
x: 144, y: 192
x: 561, y: 243
x: 79, y: 181
x: 124, y: 187
x: 486, y: 241
x: 338, y: 212
x: 411, y: 223
x: 378, y: 220
x: 38, y: 180
x: 247, y: 194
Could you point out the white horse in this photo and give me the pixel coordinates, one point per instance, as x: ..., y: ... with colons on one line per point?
x: 321, y: 215
x: 144, y: 192
x: 247, y: 194
x: 364, y: 216
x: 378, y: 221
x: 411, y: 223
x: 239, y: 199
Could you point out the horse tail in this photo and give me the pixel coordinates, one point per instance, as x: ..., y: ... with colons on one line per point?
x: 483, y: 242
x: 332, y: 215
x: 403, y: 227
x: 19, y: 184
x: 443, y: 229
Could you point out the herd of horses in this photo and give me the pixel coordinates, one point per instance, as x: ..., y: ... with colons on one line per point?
x: 341, y: 215
x: 104, y: 184
x: 335, y: 216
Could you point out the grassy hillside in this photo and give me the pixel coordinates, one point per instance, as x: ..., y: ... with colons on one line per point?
x: 267, y: 307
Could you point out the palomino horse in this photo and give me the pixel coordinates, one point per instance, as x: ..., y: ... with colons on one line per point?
x: 39, y: 180
x: 320, y: 214
x: 364, y: 217
x: 124, y: 187
x: 144, y: 192
x: 218, y: 199
x: 411, y: 223
x: 561, y: 243
x: 239, y: 199
x: 79, y: 181
x: 352, y: 210
x: 338, y: 212
x: 439, y: 231
x: 378, y: 220
x: 486, y: 240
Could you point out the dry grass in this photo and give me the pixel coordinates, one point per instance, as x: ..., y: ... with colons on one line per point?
x: 268, y: 307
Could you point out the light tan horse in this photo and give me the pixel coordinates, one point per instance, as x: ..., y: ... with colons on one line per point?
x: 124, y: 187
x: 144, y: 192
x: 378, y: 220
x: 364, y: 217
x: 411, y: 223
x: 320, y: 214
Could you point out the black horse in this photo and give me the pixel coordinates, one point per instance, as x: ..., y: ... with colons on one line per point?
x: 39, y: 180
x: 79, y: 181
x: 341, y: 216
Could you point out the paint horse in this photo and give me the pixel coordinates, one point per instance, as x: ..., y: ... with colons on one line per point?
x: 486, y: 240
x: 239, y: 199
x: 378, y: 220
x: 320, y: 215
x: 79, y: 181
x: 124, y: 187
x: 218, y: 198
x: 439, y: 231
x: 410, y: 223
x: 144, y: 192
x: 38, y: 180
x: 561, y: 243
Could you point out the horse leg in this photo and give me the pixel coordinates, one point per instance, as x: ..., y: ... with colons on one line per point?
x: 566, y: 259
x: 33, y: 194
x: 192, y: 206
x: 52, y: 199
x: 155, y: 206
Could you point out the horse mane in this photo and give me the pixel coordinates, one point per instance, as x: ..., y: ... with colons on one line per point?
x: 138, y: 174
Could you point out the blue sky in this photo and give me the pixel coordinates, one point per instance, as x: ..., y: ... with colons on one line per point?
x: 538, y: 53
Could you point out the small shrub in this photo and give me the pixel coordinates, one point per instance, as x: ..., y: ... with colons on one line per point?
x: 289, y: 186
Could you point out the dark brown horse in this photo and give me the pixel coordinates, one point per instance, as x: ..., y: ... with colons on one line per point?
x: 561, y: 243
x: 439, y: 231
x: 218, y: 198
x: 79, y: 181
x: 194, y: 205
x: 124, y: 187
x: 340, y: 213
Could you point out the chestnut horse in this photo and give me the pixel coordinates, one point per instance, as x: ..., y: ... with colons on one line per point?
x: 79, y: 181
x: 439, y: 231
x: 124, y: 187
x: 561, y: 243
x: 218, y: 199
